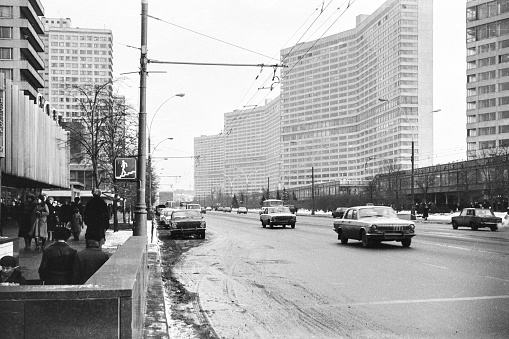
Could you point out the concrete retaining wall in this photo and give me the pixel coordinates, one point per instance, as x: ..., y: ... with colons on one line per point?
x: 111, y: 304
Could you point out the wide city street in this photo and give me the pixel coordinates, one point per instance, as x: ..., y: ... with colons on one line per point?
x: 255, y: 282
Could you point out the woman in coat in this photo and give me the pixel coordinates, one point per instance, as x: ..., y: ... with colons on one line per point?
x: 52, y: 217
x: 40, y: 223
x: 25, y: 220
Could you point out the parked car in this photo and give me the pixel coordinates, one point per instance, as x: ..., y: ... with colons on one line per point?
x: 241, y: 210
x: 339, y: 212
x: 165, y: 216
x: 203, y: 209
x: 476, y: 218
x: 277, y: 215
x: 373, y: 224
x: 208, y: 208
x: 187, y: 222
x: 219, y: 208
x: 227, y: 209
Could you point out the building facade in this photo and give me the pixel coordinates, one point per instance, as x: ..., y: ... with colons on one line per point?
x: 74, y: 57
x: 208, y: 164
x: 487, y: 77
x: 21, y: 43
x: 353, y: 103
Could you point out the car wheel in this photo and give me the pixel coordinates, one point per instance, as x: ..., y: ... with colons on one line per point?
x: 292, y: 225
x: 270, y: 224
x: 343, y: 238
x: 406, y: 242
x: 455, y: 225
x: 203, y: 235
x: 284, y: 226
x: 365, y: 241
x: 494, y: 228
x: 473, y: 226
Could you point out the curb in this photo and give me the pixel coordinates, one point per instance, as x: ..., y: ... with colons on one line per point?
x: 155, y: 324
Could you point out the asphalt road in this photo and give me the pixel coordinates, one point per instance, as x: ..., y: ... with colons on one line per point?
x: 256, y: 282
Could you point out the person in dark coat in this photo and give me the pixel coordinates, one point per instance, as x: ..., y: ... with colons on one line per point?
x: 57, y: 260
x: 25, y: 220
x: 77, y: 204
x: 96, y: 217
x: 88, y: 261
x: 52, y: 218
x: 10, y: 271
x: 65, y: 213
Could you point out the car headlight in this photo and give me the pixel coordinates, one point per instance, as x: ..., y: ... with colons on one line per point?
x: 372, y: 228
x: 411, y: 227
x: 203, y: 224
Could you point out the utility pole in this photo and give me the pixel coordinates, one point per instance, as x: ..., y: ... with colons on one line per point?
x: 140, y: 209
x: 312, y: 190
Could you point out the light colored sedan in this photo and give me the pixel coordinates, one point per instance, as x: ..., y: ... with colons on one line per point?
x: 374, y: 224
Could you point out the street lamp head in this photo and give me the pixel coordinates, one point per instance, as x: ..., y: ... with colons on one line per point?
x: 180, y: 94
x: 383, y: 100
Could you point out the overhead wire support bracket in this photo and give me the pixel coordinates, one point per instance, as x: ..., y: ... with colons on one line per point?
x: 212, y: 64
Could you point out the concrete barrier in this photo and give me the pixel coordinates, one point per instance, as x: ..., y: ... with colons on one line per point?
x: 111, y: 304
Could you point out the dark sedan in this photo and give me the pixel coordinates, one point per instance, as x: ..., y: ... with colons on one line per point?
x: 187, y: 222
x: 476, y: 218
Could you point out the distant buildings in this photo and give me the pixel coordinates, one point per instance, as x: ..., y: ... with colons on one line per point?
x: 350, y: 106
x: 487, y: 77
x: 74, y: 57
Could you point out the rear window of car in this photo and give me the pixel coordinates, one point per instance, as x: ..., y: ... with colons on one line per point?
x: 186, y: 214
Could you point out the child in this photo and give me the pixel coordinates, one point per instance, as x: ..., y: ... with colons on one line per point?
x: 76, y: 223
x: 10, y: 273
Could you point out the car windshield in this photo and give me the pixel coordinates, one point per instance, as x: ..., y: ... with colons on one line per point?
x: 481, y: 212
x: 186, y: 214
x: 279, y: 209
x: 384, y: 212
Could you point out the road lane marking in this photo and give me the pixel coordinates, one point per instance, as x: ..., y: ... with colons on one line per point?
x: 416, y: 301
x: 487, y: 276
x: 443, y: 267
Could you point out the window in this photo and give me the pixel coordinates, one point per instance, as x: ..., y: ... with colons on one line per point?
x: 503, y: 44
x: 471, y: 119
x: 5, y: 11
x: 503, y: 58
x: 487, y: 130
x: 6, y: 53
x: 471, y: 78
x: 503, y: 129
x: 5, y: 32
x: 503, y: 115
x: 7, y: 73
x: 503, y: 86
x: 471, y: 132
x: 487, y: 117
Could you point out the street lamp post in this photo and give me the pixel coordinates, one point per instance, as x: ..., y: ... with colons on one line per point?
x: 150, y: 174
x: 231, y: 186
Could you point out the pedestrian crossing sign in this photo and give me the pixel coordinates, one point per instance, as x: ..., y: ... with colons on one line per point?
x: 125, y: 169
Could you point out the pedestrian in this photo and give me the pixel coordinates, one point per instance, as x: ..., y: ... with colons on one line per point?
x: 65, y: 213
x: 52, y: 217
x: 25, y: 220
x: 76, y: 223
x: 88, y: 261
x: 96, y: 217
x: 10, y: 273
x: 425, y: 212
x: 39, y: 221
x: 57, y: 260
x: 77, y: 203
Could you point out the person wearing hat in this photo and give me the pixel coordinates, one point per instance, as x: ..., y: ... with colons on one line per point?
x: 57, y: 260
x: 40, y: 222
x: 10, y: 271
x: 96, y: 216
x: 89, y: 260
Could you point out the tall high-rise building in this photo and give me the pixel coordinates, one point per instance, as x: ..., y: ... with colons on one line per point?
x: 251, y: 153
x: 208, y: 164
x: 74, y: 57
x: 353, y: 103
x: 20, y: 45
x: 487, y: 77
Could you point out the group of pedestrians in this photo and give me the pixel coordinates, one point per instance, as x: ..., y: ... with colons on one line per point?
x: 60, y: 263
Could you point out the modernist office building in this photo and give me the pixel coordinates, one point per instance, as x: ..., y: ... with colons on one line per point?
x: 487, y: 77
x: 353, y: 103
x: 245, y: 157
x: 77, y: 56
x: 21, y: 43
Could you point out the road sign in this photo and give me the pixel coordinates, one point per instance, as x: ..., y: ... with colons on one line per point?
x: 125, y: 169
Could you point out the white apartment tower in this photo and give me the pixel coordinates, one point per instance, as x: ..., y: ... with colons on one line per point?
x: 74, y: 56
x: 487, y: 77
x: 353, y: 103
x: 208, y: 165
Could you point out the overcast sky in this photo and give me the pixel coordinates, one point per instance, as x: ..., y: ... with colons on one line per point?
x: 246, y: 32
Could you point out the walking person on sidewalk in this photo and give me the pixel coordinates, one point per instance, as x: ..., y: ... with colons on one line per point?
x: 25, y: 220
x: 40, y: 223
x: 76, y: 223
x: 96, y: 217
x: 88, y: 261
x: 57, y: 260
x: 52, y: 217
